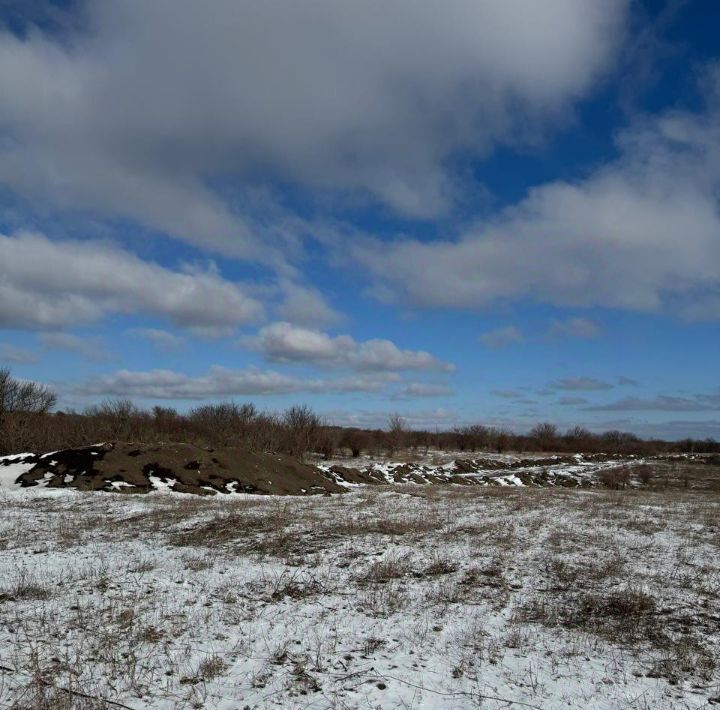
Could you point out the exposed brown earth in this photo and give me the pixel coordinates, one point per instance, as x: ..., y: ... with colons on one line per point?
x: 187, y: 468
x: 132, y: 468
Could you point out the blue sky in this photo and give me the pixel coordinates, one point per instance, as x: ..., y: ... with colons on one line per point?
x: 497, y: 212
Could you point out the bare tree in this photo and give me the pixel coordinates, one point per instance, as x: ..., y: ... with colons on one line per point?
x: 302, y: 430
x: 226, y: 422
x: 545, y: 435
x: 356, y: 440
x: 21, y: 404
x: 579, y: 438
x: 396, y: 432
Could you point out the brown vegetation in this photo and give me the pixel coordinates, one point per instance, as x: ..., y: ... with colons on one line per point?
x: 28, y: 424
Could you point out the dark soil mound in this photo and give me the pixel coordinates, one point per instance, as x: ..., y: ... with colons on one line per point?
x: 133, y: 468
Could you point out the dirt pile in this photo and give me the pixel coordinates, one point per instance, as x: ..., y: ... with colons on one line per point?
x: 185, y: 468
x: 566, y: 471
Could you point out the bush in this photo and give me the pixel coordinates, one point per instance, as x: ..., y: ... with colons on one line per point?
x: 22, y: 405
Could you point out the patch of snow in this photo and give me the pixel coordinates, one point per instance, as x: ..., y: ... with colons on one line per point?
x: 162, y: 485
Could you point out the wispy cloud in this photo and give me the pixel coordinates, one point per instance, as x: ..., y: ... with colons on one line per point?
x: 223, y: 382
x: 574, y: 328
x: 661, y: 403
x: 17, y: 356
x: 506, y: 394
x: 424, y: 389
x: 570, y: 401
x: 502, y: 337
x: 90, y: 348
x: 162, y: 339
x: 579, y: 384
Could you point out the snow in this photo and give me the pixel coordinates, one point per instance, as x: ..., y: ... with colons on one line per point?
x: 10, y: 472
x: 162, y: 485
x: 286, y: 606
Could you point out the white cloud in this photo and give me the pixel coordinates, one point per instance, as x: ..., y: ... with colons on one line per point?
x: 284, y: 342
x: 44, y: 284
x: 222, y: 382
x: 129, y: 114
x: 574, y: 328
x: 502, y: 337
x: 641, y: 233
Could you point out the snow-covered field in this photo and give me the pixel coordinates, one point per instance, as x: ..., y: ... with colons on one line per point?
x: 385, y: 597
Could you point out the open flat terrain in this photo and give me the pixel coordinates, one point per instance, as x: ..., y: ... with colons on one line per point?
x: 415, y: 596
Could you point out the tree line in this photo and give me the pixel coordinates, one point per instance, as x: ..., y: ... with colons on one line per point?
x: 28, y: 423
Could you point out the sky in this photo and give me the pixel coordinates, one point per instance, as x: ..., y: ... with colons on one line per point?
x: 467, y: 211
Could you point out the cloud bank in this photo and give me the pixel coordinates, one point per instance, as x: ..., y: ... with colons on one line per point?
x: 136, y: 104
x: 641, y: 233
x: 46, y: 284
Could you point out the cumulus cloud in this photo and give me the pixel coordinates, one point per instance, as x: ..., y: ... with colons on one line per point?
x: 502, y: 337
x: 128, y: 113
x: 579, y: 383
x: 574, y: 328
x: 222, y: 382
x: 640, y: 233
x: 284, y: 342
x: 46, y: 284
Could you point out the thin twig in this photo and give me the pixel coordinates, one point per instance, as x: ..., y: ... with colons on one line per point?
x: 76, y: 693
x: 461, y: 692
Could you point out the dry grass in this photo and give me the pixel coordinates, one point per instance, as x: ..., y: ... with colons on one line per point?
x: 196, y: 602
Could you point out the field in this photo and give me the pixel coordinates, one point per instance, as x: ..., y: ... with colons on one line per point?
x: 407, y: 596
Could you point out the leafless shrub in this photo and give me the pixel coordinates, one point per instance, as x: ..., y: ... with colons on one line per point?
x: 23, y: 405
x: 392, y: 527
x: 683, y: 657
x: 382, y: 600
x: 393, y: 566
x: 211, y: 667
x: 645, y: 474
x: 25, y: 586
x: 297, y: 584
x: 228, y: 527
x: 626, y: 615
x: 440, y: 565
x: 615, y: 478
x: 396, y: 433
x: 302, y: 427
x: 225, y: 423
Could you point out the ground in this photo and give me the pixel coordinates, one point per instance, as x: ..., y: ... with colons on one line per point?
x: 409, y: 596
